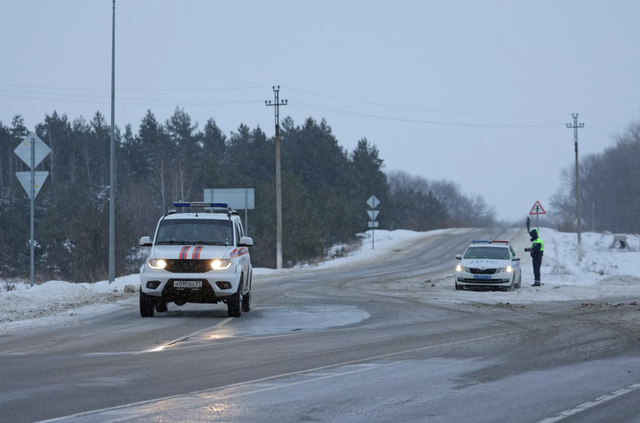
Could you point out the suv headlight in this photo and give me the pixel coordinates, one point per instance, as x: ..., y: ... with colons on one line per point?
x: 221, y: 264
x: 157, y: 263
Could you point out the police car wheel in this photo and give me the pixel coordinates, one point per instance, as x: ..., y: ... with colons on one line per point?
x: 147, y: 305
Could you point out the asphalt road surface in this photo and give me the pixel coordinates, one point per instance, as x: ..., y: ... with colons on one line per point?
x: 320, y: 347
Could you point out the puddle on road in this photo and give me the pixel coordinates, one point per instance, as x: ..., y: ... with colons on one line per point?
x: 296, y: 319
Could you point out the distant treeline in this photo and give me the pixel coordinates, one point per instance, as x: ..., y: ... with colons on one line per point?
x: 609, y: 188
x: 324, y: 191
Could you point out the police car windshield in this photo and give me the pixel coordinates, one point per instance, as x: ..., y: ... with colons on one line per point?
x: 195, y: 231
x: 495, y: 253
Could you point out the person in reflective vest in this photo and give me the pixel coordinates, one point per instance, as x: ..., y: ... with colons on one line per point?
x: 537, y: 251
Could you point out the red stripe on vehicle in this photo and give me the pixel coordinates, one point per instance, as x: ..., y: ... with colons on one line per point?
x: 184, y: 252
x: 196, y: 253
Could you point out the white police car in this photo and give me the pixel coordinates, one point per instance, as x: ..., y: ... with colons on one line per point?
x: 488, y: 264
x: 197, y: 257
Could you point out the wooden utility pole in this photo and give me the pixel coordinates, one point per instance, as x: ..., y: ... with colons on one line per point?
x: 277, y: 103
x: 575, y: 127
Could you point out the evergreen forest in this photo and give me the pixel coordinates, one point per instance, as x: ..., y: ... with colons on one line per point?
x: 324, y: 191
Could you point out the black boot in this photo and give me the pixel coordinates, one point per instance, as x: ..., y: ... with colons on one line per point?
x: 536, y: 283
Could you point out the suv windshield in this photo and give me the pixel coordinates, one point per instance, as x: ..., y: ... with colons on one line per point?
x: 496, y: 253
x: 195, y: 231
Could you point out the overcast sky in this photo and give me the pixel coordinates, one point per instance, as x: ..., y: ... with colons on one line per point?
x: 477, y: 92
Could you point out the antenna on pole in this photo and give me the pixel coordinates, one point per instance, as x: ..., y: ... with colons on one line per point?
x: 575, y: 127
x: 277, y: 103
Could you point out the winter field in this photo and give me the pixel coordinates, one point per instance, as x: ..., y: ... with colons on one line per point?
x: 604, y: 273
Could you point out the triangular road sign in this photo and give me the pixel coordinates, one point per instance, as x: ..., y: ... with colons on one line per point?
x: 537, y: 209
x: 25, y: 179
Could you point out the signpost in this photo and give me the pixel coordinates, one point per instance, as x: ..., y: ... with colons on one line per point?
x: 32, y: 150
x: 537, y: 210
x: 373, y: 202
x: 237, y: 198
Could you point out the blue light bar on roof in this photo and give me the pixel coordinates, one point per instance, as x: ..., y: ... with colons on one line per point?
x: 195, y: 204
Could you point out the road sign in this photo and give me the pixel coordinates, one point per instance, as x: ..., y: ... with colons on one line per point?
x: 373, y: 214
x: 25, y: 181
x: 32, y: 151
x: 41, y: 150
x: 374, y: 224
x: 373, y: 202
x: 537, y: 209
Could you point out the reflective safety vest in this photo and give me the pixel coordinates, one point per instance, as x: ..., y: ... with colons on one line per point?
x: 538, y: 241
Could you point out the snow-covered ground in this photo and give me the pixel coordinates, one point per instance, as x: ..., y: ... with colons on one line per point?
x: 604, y: 272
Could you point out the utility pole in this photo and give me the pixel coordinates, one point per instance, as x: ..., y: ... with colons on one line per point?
x: 277, y: 103
x: 112, y: 176
x: 575, y: 127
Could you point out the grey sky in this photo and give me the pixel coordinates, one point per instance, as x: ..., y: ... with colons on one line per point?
x: 478, y: 92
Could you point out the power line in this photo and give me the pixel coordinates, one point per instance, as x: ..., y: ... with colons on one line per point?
x: 133, y: 89
x: 147, y: 101
x: 431, y: 122
x: 427, y: 110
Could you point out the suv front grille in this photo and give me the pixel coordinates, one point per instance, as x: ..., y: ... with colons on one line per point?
x: 482, y: 271
x: 188, y: 266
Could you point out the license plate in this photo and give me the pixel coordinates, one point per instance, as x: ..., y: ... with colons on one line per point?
x: 481, y: 277
x: 187, y: 284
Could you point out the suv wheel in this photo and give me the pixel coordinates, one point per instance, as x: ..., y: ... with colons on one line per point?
x: 234, y: 301
x: 246, y: 302
x: 147, y: 305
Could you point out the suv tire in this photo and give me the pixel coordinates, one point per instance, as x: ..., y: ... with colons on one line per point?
x: 147, y: 305
x: 246, y: 302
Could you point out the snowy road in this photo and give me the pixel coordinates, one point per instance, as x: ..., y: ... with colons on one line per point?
x: 332, y: 346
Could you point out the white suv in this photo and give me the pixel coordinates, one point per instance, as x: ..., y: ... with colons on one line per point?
x: 489, y: 264
x: 197, y: 257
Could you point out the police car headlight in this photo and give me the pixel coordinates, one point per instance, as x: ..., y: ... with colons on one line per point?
x: 507, y: 269
x: 221, y: 264
x: 157, y: 263
x: 458, y: 268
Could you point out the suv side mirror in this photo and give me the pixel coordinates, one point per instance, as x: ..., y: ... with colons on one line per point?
x: 516, y: 258
x: 459, y: 256
x: 245, y: 241
x: 145, y: 241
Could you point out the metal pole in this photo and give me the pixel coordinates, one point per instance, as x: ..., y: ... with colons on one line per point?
x: 246, y: 206
x: 277, y: 104
x: 112, y: 179
x: 373, y: 237
x: 33, y: 195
